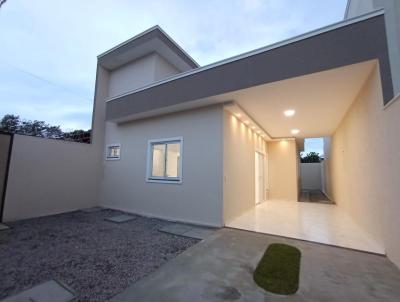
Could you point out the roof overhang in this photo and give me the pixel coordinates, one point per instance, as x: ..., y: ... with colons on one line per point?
x: 349, y: 42
x: 153, y: 40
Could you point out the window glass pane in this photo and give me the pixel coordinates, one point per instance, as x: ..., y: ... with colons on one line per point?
x: 173, y: 159
x: 158, y: 169
x: 114, y: 151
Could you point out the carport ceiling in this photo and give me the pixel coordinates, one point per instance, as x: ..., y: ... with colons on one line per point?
x: 320, y: 100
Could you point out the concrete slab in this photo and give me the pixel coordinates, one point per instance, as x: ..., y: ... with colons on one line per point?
x: 176, y: 228
x: 92, y: 210
x: 4, y: 227
x: 50, y: 291
x: 220, y: 268
x: 120, y: 218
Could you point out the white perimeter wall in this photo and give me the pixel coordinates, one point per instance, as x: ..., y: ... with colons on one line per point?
x: 311, y: 176
x: 199, y: 198
x: 49, y: 176
x: 240, y: 145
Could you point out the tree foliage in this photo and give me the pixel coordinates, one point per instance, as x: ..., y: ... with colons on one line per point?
x: 311, y: 157
x: 13, y: 124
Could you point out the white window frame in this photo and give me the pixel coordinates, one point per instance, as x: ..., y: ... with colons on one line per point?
x: 165, y: 180
x: 111, y: 146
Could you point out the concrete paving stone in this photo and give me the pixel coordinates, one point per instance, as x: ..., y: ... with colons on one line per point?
x: 199, y: 233
x: 120, y: 218
x: 50, y: 291
x: 3, y: 227
x: 176, y: 228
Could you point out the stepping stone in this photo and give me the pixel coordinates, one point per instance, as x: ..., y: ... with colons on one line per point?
x: 3, y: 227
x: 176, y: 228
x: 120, y: 218
x: 199, y: 233
x: 187, y: 230
x: 92, y: 210
x: 50, y: 291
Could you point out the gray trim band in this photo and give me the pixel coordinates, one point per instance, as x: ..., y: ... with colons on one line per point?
x: 350, y: 44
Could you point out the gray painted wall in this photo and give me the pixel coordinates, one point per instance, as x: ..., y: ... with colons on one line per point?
x: 392, y: 22
x: 199, y: 198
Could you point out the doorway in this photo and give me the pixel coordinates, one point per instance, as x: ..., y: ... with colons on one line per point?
x: 260, y: 177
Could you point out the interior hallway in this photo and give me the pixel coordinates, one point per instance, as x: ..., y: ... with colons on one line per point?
x: 322, y: 223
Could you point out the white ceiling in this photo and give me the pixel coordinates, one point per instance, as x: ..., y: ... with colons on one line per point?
x: 320, y: 100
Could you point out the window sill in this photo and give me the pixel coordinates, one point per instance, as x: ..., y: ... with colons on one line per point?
x: 165, y: 181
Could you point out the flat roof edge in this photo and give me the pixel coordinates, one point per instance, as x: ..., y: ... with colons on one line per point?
x: 147, y: 31
x: 346, y: 11
x: 285, y: 42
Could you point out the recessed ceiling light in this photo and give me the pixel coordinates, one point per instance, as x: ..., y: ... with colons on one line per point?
x: 238, y: 115
x: 258, y: 131
x: 289, y: 112
x: 295, y: 131
x: 253, y: 127
x: 246, y: 122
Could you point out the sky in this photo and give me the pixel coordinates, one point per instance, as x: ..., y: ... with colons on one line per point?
x: 49, y: 47
x: 315, y: 144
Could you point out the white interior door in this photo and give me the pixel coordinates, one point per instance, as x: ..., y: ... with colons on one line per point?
x: 260, y: 177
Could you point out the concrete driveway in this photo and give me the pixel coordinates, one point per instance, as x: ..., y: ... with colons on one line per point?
x: 220, y: 269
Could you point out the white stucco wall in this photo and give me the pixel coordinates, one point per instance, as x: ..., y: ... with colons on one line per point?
x: 49, y: 176
x: 199, y: 198
x: 311, y: 176
x: 240, y: 145
x: 283, y: 173
x: 365, y: 165
x: 133, y: 75
x: 163, y: 69
x: 391, y: 189
x: 139, y: 73
x: 358, y: 178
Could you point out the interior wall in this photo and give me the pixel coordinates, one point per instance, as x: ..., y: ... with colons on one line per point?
x: 240, y: 145
x: 198, y: 199
x: 357, y: 176
x: 49, y: 176
x: 283, y: 170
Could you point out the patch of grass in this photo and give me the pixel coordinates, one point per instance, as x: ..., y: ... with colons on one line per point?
x: 278, y: 270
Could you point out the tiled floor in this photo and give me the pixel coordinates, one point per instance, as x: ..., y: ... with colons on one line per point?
x: 315, y: 222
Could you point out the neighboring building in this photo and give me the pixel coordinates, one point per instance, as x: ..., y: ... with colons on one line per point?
x: 204, y: 145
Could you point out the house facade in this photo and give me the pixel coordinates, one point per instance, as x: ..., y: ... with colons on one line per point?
x: 204, y: 145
